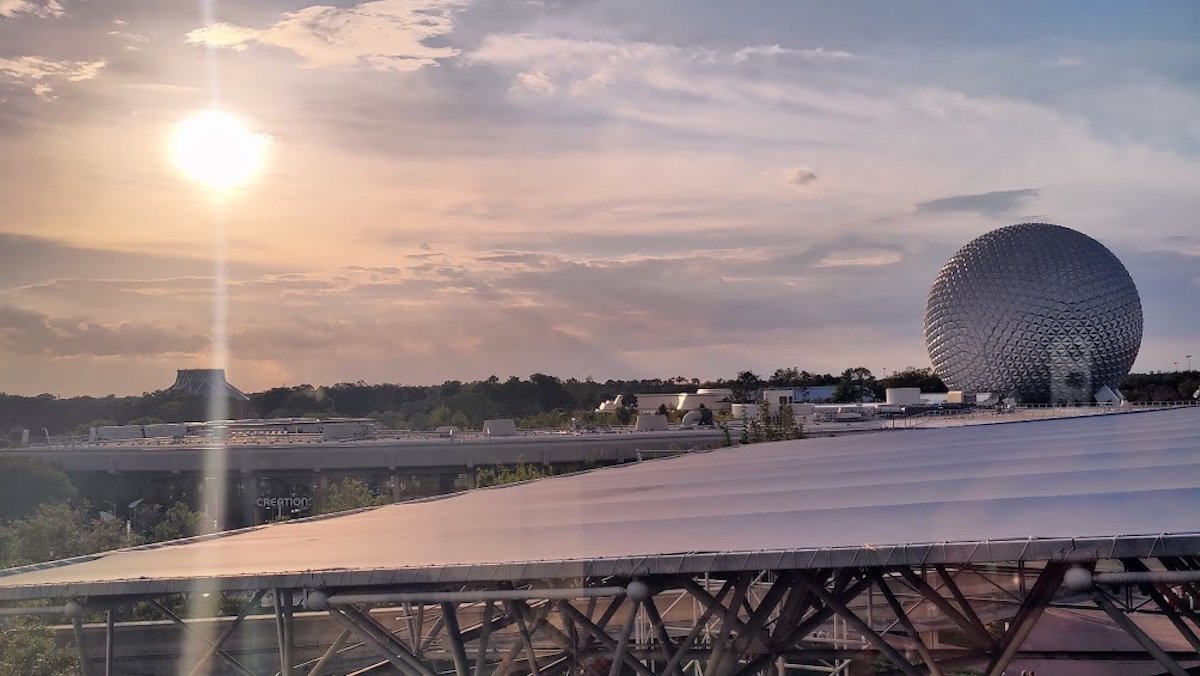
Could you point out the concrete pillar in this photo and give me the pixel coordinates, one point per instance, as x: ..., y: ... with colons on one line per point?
x: 394, y: 481
x: 247, y: 495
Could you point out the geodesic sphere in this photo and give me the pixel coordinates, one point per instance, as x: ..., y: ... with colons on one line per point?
x: 1036, y: 311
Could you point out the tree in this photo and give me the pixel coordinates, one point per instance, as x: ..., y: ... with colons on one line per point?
x: 25, y: 484
x: 857, y: 384
x: 28, y: 648
x: 180, y: 521
x: 496, y: 476
x: 923, y: 378
x: 746, y: 386
x: 663, y: 410
x: 768, y: 426
x: 57, y: 531
x: 349, y: 493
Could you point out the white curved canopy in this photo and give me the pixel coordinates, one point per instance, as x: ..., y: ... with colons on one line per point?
x: 1032, y: 490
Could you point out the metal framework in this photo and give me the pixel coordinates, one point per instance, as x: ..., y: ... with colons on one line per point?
x: 910, y: 620
x: 762, y: 559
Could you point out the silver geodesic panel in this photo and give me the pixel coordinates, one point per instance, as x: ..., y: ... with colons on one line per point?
x: 1036, y: 311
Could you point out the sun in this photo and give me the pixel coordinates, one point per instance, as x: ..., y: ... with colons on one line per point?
x: 216, y: 149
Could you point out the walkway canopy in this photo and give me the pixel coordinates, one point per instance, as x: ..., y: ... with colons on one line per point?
x: 1097, y: 487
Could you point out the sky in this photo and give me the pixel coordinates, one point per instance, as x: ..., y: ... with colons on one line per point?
x: 614, y: 188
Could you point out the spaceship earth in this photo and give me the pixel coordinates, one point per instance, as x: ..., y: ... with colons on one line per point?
x: 1036, y: 312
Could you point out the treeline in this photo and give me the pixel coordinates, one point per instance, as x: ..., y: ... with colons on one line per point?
x: 538, y: 401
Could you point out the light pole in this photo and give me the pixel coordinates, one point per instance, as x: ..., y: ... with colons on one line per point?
x: 1189, y: 358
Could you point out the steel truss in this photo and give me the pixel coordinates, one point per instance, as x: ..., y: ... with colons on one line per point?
x: 900, y: 620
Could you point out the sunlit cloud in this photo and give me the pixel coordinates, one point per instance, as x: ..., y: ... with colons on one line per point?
x: 39, y: 8
x: 40, y: 75
x: 378, y: 35
x: 819, y: 53
x: 595, y: 188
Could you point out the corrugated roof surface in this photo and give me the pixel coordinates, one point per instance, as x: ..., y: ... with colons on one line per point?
x: 1112, y: 475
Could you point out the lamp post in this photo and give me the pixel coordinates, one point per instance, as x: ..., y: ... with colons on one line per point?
x: 1189, y: 358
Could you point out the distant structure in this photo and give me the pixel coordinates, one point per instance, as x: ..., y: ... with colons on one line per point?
x: 715, y: 399
x: 203, y: 382
x: 1034, y: 312
x: 207, y: 383
x: 813, y: 394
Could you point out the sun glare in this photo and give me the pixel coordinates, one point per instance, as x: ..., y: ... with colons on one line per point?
x: 216, y: 149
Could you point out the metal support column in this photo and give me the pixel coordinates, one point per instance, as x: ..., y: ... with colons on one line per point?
x: 881, y: 644
x: 906, y: 623
x: 485, y: 633
x: 80, y: 643
x: 1173, y: 610
x: 200, y: 635
x: 331, y: 653
x: 208, y: 654
x: 1135, y: 632
x: 526, y: 637
x: 283, y: 630
x: 1035, y: 603
x: 454, y: 638
x: 367, y: 636
x: 623, y: 642
x: 974, y: 632
x: 603, y: 638
x: 108, y: 642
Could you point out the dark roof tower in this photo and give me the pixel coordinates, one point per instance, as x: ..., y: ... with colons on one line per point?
x: 205, y: 382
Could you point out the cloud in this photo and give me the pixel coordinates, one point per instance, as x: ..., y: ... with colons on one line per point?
x: 27, y: 332
x: 224, y: 36
x: 26, y: 261
x: 378, y: 35
x: 820, y: 53
x: 37, y: 73
x: 42, y: 9
x: 1069, y: 61
x: 133, y: 41
x: 656, y: 83
x: 869, y: 260
x: 994, y: 203
x: 537, y: 82
x: 799, y: 176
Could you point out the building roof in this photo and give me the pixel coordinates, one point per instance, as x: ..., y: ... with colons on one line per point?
x: 1092, y: 487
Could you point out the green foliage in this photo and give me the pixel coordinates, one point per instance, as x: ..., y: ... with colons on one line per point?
x: 745, y: 387
x: 467, y: 404
x: 794, y: 377
x: 550, y: 420
x: 349, y: 493
x: 443, y: 415
x: 25, y: 484
x: 1152, y: 387
x: 768, y: 426
x: 57, y: 531
x: 27, y: 648
x: 857, y: 384
x: 503, y: 474
x: 912, y: 376
x: 180, y: 521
